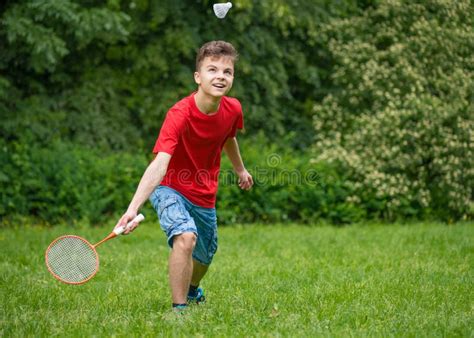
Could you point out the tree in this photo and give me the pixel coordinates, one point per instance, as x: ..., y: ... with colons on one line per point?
x: 51, y: 62
x: 104, y: 73
x: 400, y: 117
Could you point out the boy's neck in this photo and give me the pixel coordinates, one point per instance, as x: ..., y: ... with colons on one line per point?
x: 207, y: 104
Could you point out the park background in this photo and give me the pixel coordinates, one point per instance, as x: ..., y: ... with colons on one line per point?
x: 357, y: 114
x: 369, y: 102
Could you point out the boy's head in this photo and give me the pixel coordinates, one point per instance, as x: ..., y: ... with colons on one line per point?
x: 216, y: 50
x: 215, y: 68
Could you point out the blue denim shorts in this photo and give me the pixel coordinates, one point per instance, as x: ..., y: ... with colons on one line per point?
x: 178, y: 215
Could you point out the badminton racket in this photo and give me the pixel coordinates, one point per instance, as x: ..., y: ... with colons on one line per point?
x: 73, y: 260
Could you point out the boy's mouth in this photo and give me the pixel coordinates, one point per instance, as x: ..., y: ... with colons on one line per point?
x: 219, y: 85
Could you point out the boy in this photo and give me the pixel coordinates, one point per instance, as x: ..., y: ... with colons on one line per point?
x: 181, y: 182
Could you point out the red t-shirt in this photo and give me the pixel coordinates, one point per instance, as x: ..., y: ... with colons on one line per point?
x: 195, y: 140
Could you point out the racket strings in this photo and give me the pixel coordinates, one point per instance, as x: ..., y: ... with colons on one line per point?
x: 72, y: 259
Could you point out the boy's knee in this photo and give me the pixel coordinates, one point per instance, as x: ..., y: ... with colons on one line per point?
x: 185, y: 242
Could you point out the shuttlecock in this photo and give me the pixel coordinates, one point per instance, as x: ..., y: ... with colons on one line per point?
x: 221, y: 9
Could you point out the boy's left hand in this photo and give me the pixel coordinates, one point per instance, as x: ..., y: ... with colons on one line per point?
x: 245, y: 180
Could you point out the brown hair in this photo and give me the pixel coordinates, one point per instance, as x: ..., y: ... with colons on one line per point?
x: 216, y: 49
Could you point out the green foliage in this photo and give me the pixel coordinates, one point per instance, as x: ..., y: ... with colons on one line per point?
x: 104, y: 74
x: 52, y: 85
x: 288, y: 186
x: 41, y: 33
x: 400, y: 119
x: 85, y: 84
x: 65, y: 182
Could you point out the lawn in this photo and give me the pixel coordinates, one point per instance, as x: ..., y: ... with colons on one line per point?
x: 282, y: 280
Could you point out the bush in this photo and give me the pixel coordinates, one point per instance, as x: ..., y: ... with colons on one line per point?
x: 66, y: 182
x: 400, y: 119
x: 288, y: 187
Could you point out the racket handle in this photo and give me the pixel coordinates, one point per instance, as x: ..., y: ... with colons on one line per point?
x: 137, y: 219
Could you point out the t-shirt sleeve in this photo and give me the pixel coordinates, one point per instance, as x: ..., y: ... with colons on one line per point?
x: 238, y: 124
x: 170, y: 133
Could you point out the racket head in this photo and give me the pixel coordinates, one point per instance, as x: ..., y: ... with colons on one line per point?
x: 72, y: 259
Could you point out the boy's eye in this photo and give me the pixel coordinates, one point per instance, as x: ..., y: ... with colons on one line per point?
x: 228, y: 72
x: 212, y: 69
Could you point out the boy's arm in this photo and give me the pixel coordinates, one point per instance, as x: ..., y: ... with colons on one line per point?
x: 231, y: 148
x: 152, y: 177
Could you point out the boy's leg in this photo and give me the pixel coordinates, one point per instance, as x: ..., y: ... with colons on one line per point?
x: 196, y: 294
x: 199, y: 270
x: 206, y: 246
x: 181, y: 266
x: 181, y: 232
x: 179, y: 225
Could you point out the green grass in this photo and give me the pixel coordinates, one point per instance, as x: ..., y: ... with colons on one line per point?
x: 283, y: 280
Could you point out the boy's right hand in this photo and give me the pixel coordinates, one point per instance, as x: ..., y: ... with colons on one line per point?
x: 124, y: 220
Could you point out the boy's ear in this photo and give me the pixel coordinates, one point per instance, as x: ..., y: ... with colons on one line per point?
x: 197, y: 78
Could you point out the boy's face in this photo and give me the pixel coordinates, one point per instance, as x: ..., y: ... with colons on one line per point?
x: 215, y: 76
